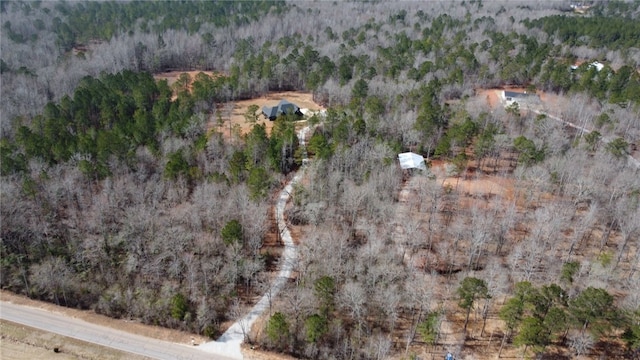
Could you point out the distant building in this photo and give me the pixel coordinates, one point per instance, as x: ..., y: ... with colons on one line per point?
x: 579, y: 7
x: 596, y: 64
x: 283, y: 107
x: 522, y: 98
x: 411, y: 160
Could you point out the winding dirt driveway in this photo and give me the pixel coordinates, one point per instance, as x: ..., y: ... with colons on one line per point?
x: 229, y: 343
x: 227, y: 347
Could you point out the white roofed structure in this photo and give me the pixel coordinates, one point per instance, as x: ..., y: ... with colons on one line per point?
x: 411, y: 160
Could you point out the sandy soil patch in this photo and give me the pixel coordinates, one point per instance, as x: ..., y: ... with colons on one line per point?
x: 239, y: 108
x: 492, y: 96
x: 474, y: 184
x: 478, y: 187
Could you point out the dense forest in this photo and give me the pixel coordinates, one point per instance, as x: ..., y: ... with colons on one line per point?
x: 119, y: 195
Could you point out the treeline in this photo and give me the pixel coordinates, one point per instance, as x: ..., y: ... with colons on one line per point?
x: 113, y: 116
x: 618, y: 87
x: 538, y: 317
x: 123, y: 195
x: 106, y: 117
x: 79, y: 23
x: 614, y: 32
x: 408, y: 47
x: 91, y: 184
x: 371, y: 299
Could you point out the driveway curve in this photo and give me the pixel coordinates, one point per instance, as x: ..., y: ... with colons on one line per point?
x: 227, y: 347
x: 229, y: 343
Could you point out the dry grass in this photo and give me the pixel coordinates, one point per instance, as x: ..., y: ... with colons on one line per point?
x: 130, y: 326
x: 21, y: 342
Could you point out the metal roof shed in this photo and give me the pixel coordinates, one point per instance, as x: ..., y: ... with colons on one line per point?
x: 411, y: 160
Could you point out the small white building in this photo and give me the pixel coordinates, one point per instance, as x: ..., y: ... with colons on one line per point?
x: 411, y: 160
x: 522, y: 98
x: 596, y: 64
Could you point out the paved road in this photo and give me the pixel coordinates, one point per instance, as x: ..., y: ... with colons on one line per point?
x: 101, y: 335
x: 226, y: 348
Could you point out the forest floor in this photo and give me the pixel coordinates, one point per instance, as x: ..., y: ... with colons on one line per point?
x: 22, y: 348
x: 474, y: 187
x: 451, y: 335
x: 480, y: 191
x: 489, y: 185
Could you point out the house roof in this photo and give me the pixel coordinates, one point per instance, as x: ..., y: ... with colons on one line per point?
x: 596, y: 64
x: 411, y: 160
x: 283, y: 107
x: 270, y: 111
x: 513, y: 94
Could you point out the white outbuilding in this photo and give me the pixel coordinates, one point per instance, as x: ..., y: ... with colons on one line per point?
x: 411, y: 160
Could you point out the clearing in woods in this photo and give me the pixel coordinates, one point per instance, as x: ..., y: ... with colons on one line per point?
x: 302, y: 99
x: 232, y: 114
x: 477, y: 189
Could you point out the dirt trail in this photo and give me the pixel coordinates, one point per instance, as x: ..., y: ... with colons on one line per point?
x: 230, y: 342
